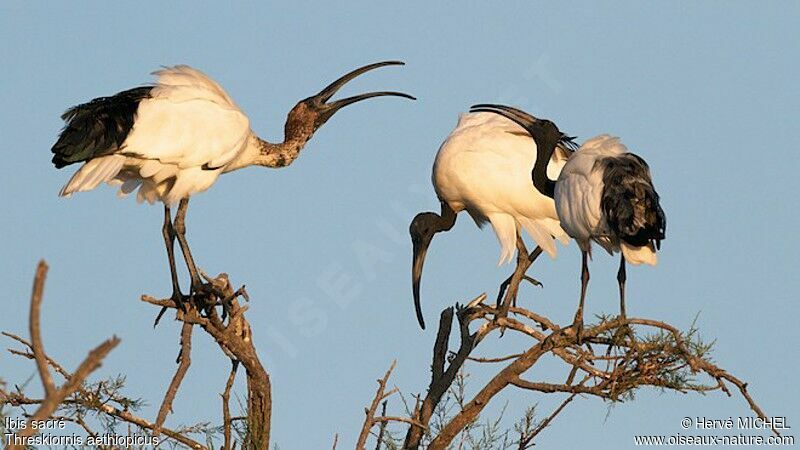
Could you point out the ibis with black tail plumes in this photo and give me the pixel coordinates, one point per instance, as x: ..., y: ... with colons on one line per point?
x: 603, y: 194
x: 173, y: 139
x: 484, y: 168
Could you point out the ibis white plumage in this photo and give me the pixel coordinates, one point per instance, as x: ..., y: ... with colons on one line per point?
x: 484, y: 168
x: 173, y: 139
x: 604, y: 194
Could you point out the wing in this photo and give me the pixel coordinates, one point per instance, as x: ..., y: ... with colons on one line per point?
x: 630, y: 202
x: 189, y: 133
x: 189, y: 121
x: 577, y: 198
x: 98, y: 127
x: 485, y: 165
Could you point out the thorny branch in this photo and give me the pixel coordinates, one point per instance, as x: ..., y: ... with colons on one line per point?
x: 608, y: 365
x: 76, y: 397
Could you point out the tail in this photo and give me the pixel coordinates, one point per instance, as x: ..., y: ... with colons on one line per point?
x: 631, y: 206
x: 94, y: 172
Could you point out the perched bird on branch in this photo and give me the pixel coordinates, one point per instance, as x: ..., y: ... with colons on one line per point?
x: 484, y: 167
x: 604, y: 194
x: 173, y: 139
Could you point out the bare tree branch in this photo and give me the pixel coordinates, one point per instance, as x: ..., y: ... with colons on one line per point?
x: 370, y: 419
x: 184, y: 361
x: 35, y: 330
x: 53, y: 396
x: 226, y: 411
x: 235, y: 340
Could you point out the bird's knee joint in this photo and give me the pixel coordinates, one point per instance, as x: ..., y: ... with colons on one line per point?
x: 179, y: 227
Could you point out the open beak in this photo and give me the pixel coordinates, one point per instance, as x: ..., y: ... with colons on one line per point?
x: 326, y: 110
x: 420, y: 250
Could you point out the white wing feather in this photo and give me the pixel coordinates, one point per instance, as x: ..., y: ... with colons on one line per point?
x: 181, y: 140
x: 189, y: 121
x: 484, y: 166
x: 579, y: 190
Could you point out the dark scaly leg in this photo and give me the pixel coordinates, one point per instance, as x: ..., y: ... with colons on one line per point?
x: 510, y: 287
x: 523, y: 264
x: 180, y: 231
x: 578, y: 322
x: 621, y: 277
x: 168, y: 232
x: 169, y: 240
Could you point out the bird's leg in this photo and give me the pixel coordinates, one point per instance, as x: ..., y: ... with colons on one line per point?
x: 505, y: 284
x: 180, y: 232
x: 578, y: 322
x: 510, y: 287
x: 621, y: 277
x: 169, y: 241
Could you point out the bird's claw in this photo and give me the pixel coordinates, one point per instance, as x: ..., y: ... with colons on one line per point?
x: 179, y: 300
x: 623, y: 331
x: 533, y: 281
x: 215, y: 291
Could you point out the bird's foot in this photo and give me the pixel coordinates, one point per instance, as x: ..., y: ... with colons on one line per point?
x: 533, y: 281
x: 622, y: 332
x: 217, y: 292
x: 504, y: 287
x: 180, y: 301
x: 204, y: 297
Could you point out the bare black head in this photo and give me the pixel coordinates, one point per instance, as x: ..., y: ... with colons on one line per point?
x: 422, y: 229
x: 311, y: 113
x: 545, y: 134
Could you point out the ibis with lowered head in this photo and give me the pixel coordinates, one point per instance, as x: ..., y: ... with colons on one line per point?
x: 484, y: 168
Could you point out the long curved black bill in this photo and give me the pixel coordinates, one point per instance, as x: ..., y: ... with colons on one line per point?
x: 357, y: 98
x: 326, y: 93
x: 522, y: 118
x: 420, y: 250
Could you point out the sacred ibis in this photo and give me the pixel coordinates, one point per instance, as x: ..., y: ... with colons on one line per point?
x: 603, y: 194
x: 484, y: 167
x: 174, y: 138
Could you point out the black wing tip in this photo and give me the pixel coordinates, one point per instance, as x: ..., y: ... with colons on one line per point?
x: 58, y: 161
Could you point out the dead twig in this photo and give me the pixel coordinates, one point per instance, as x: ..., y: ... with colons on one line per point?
x: 184, y: 361
x: 226, y: 411
x: 54, y: 396
x: 371, y: 420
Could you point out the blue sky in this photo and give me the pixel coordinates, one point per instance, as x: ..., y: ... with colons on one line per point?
x: 706, y: 92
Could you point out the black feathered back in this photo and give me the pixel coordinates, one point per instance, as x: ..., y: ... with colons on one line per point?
x: 98, y: 127
x: 630, y: 203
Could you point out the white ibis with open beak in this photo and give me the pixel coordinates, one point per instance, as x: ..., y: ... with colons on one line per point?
x: 173, y: 139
